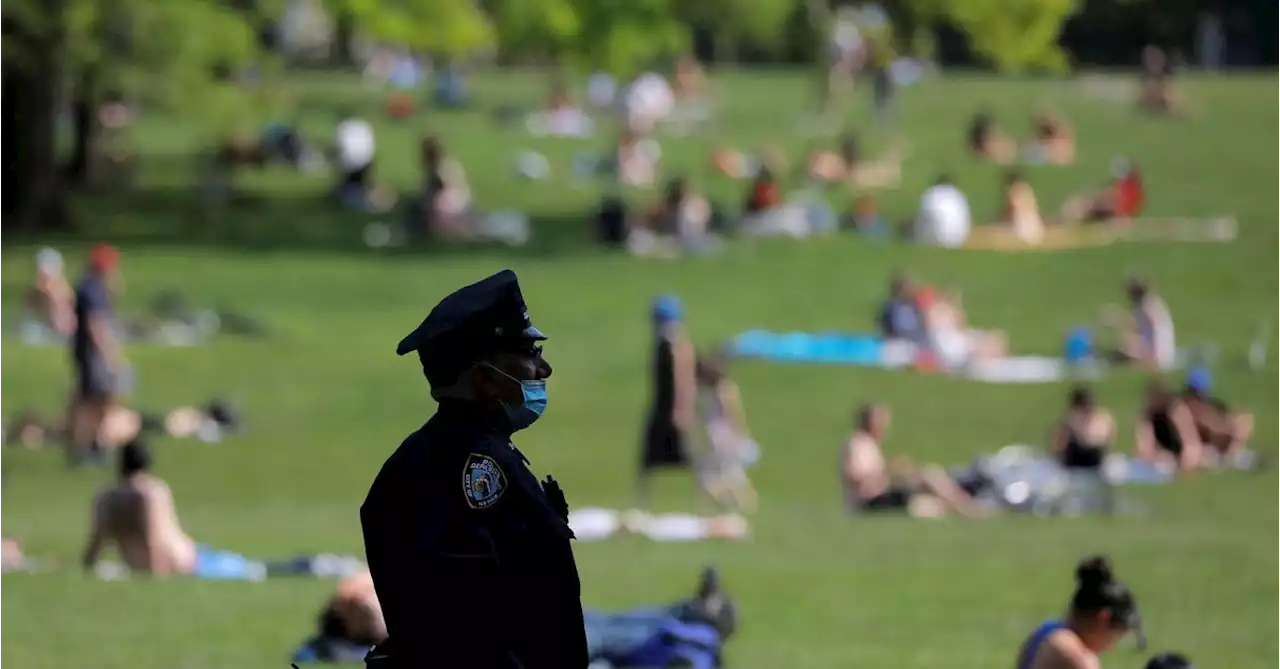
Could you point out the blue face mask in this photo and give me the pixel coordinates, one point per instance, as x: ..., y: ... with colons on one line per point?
x: 534, y: 402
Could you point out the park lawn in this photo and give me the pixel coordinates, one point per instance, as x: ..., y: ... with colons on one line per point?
x: 327, y: 400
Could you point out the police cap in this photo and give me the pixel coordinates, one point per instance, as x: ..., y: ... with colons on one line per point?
x: 470, y: 323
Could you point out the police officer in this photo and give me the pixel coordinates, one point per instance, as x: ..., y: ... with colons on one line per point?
x: 469, y: 553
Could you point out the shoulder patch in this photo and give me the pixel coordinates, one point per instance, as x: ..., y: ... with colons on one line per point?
x: 482, y: 481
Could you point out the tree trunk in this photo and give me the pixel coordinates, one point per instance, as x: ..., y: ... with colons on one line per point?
x: 34, y: 196
x: 85, y: 132
x: 16, y: 85
x: 344, y: 31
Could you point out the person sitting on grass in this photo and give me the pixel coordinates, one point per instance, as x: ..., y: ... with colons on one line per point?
x: 1053, y: 141
x: 849, y: 165
x: 764, y: 194
x: 136, y: 513
x: 728, y: 162
x: 985, y: 140
x: 350, y: 624
x: 122, y: 425
x: 1102, y: 611
x: 953, y: 344
x: 899, y: 317
x: 1083, y: 436
x: 634, y: 161
x: 1156, y: 93
x: 871, y: 484
x: 446, y: 197
x: 1166, y: 434
x: 1223, y: 431
x: 1147, y: 337
x: 677, y: 222
x: 1021, y: 211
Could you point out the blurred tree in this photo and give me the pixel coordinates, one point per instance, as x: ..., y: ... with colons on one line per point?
x: 1012, y: 36
x: 178, y: 54
x: 545, y: 29
x: 443, y: 28
x: 626, y: 37
x: 735, y: 22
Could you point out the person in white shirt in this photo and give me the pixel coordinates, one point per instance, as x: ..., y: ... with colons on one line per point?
x: 1148, y: 338
x: 647, y: 101
x: 944, y: 218
x: 354, y: 146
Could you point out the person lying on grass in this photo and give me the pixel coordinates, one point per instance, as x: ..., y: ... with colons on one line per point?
x: 872, y: 484
x: 350, y: 624
x: 848, y: 164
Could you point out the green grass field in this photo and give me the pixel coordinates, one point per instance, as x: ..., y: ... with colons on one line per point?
x: 327, y: 400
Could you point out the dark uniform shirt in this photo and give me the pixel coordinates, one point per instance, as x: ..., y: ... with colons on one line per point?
x: 469, y: 553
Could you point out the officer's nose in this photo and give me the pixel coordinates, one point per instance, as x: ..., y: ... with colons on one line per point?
x: 544, y: 369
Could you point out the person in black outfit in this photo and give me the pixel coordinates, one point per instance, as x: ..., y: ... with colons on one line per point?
x: 1083, y: 436
x: 674, y: 384
x: 1166, y: 433
x: 470, y: 556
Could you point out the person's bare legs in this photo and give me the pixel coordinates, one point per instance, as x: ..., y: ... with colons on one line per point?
x: 1240, y: 426
x: 941, y: 484
x: 926, y: 506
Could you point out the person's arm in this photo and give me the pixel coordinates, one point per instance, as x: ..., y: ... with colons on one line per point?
x: 455, y: 587
x: 158, y: 507
x: 686, y: 385
x: 1058, y: 438
x: 97, y: 537
x: 1185, y: 425
x: 100, y: 330
x: 1144, y: 438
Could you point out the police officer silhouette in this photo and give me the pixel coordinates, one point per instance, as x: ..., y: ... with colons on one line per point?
x: 469, y: 553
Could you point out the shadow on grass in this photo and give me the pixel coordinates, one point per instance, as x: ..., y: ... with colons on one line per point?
x: 250, y: 222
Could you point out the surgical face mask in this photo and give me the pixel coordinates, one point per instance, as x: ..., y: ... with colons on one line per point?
x: 533, y: 403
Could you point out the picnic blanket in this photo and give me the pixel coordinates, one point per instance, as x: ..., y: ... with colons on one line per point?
x: 870, y: 350
x: 831, y: 348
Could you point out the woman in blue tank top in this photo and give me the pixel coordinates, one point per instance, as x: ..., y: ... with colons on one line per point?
x: 1102, y: 611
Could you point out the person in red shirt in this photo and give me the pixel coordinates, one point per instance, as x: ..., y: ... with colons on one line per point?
x: 1119, y: 202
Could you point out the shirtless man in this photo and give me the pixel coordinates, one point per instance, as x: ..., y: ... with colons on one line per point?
x: 137, y: 514
x: 872, y: 484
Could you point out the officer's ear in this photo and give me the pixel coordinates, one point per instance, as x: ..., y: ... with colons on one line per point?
x: 484, y: 385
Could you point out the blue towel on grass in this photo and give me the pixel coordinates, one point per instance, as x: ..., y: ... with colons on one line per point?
x: 833, y: 348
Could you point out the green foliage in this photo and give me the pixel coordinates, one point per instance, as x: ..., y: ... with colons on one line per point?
x: 546, y: 28
x: 447, y: 28
x: 740, y: 21
x: 624, y: 37
x: 1013, y: 35
x: 171, y: 53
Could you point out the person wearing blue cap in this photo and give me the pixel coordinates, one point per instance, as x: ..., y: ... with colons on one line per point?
x: 1223, y: 431
x: 674, y: 386
x: 470, y: 555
